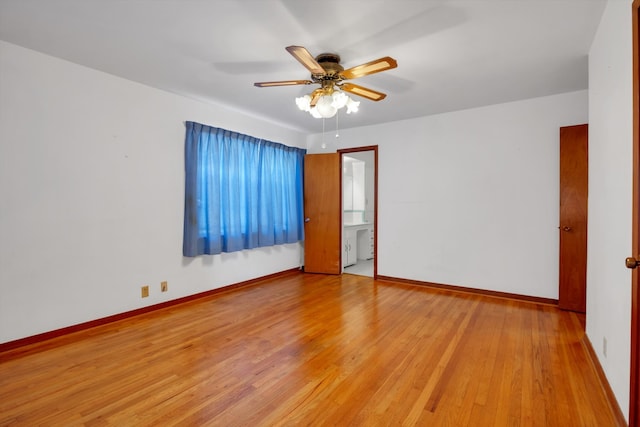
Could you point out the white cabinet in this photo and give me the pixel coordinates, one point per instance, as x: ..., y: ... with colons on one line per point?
x: 349, y: 247
x: 365, y: 243
x: 357, y: 243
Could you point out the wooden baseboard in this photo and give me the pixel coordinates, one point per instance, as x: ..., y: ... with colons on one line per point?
x: 611, y: 398
x: 11, y: 345
x: 484, y: 292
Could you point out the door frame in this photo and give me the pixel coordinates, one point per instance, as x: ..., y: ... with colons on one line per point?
x: 634, y: 392
x: 373, y: 148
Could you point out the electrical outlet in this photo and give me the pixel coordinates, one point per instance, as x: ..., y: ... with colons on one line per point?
x: 164, y: 286
x: 604, y: 346
x: 145, y: 291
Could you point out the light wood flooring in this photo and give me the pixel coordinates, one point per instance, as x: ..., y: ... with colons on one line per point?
x: 316, y: 350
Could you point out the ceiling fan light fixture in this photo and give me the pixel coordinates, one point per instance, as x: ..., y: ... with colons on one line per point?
x: 315, y: 113
x: 304, y: 103
x: 327, y: 105
x: 340, y: 99
x: 327, y: 71
x: 352, y: 106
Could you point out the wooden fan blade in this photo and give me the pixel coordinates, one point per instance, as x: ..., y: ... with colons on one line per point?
x: 283, y: 83
x: 306, y: 59
x: 363, y: 91
x: 372, y: 67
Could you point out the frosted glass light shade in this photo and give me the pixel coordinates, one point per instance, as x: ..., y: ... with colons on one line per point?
x: 304, y: 103
x: 352, y: 106
x: 340, y: 99
x: 327, y: 106
x: 315, y: 113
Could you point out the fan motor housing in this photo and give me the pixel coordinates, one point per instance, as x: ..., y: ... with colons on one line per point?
x: 330, y: 62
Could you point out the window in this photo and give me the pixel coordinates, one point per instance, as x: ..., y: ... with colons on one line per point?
x: 240, y: 192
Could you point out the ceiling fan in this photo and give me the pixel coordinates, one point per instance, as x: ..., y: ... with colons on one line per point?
x: 330, y: 75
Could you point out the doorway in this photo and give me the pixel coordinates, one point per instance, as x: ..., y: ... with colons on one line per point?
x: 359, y: 176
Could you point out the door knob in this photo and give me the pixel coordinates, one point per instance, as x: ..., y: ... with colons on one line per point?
x: 307, y: 219
x: 565, y: 228
x: 631, y: 262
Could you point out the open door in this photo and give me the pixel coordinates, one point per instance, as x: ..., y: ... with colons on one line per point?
x: 322, y: 212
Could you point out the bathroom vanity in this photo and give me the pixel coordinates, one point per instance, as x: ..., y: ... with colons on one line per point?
x: 357, y: 243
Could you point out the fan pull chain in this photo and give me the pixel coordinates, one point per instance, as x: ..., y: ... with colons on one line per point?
x: 337, y: 125
x: 323, y: 143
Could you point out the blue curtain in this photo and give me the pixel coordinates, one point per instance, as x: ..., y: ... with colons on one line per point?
x: 240, y: 192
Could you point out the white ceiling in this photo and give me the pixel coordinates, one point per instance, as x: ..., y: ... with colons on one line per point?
x: 451, y: 54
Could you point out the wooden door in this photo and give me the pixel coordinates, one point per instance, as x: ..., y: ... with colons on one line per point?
x: 634, y: 380
x: 322, y: 228
x: 573, y: 217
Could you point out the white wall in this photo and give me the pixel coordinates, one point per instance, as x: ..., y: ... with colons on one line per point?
x: 92, y: 194
x: 610, y: 195
x: 470, y: 198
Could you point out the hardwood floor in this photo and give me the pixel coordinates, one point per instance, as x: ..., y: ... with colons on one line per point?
x: 307, y: 349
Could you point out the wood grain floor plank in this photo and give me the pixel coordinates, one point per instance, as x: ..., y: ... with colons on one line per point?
x: 305, y: 349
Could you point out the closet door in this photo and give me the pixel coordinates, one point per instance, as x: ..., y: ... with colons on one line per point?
x: 573, y: 217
